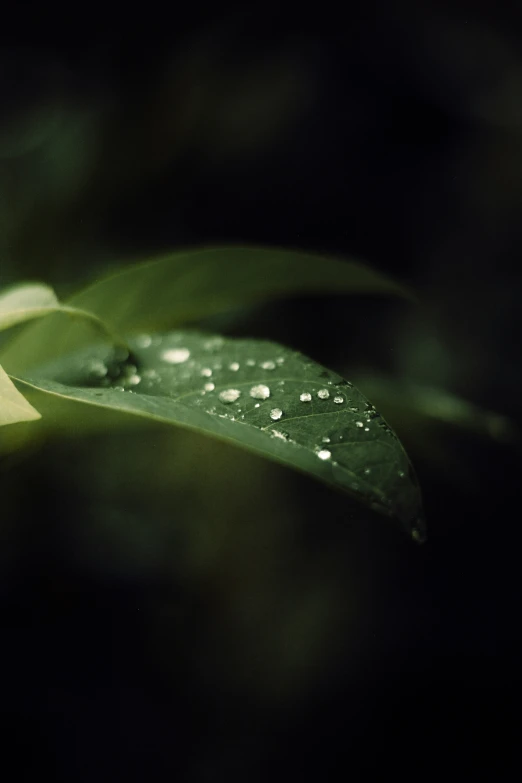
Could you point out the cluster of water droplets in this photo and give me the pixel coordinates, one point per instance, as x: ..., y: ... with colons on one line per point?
x: 122, y: 374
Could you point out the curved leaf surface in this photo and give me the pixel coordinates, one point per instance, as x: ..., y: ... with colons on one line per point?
x: 185, y: 286
x: 13, y: 405
x: 25, y: 302
x: 258, y: 395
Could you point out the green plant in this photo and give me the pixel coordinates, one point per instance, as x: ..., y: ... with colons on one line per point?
x: 259, y: 395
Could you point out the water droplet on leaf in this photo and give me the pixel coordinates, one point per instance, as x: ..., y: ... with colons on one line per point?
x: 275, y: 414
x: 97, y: 368
x: 175, y: 355
x: 213, y: 344
x: 229, y: 395
x: 323, y: 394
x: 269, y: 365
x: 234, y: 366
x: 260, y: 392
x: 338, y: 399
x: 206, y: 372
x: 324, y: 454
x: 305, y: 397
x: 209, y: 387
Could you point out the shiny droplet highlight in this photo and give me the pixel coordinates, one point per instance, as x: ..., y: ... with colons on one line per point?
x: 175, y: 355
x: 229, y: 395
x: 260, y: 392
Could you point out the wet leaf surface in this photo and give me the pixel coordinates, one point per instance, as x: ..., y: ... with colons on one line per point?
x: 258, y: 395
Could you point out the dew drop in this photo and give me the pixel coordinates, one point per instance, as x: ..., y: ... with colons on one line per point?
x: 118, y: 388
x: 151, y: 375
x: 305, y: 397
x: 401, y: 474
x: 338, y: 399
x: 260, y: 392
x: 367, y: 471
x: 143, y: 341
x: 250, y: 363
x: 279, y: 434
x: 275, y: 414
x: 206, y: 372
x: 133, y: 380
x: 269, y: 365
x: 323, y: 394
x: 359, y: 424
x: 209, y: 387
x: 326, y: 439
x: 234, y: 366
x: 257, y: 405
x: 175, y: 355
x: 280, y: 360
x: 367, y: 429
x: 213, y: 344
x: 98, y: 368
x: 324, y: 454
x: 353, y: 409
x: 229, y: 395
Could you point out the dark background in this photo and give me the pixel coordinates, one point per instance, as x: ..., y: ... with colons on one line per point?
x: 172, y: 609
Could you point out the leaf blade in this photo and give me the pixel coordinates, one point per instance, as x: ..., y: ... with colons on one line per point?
x: 185, y: 286
x: 14, y: 408
x: 260, y: 396
x: 25, y: 302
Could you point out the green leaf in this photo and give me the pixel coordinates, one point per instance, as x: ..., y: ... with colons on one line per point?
x: 186, y: 286
x: 25, y: 302
x: 258, y: 395
x: 31, y: 301
x: 13, y: 405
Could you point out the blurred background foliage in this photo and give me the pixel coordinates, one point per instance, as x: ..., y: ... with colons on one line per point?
x: 172, y: 607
